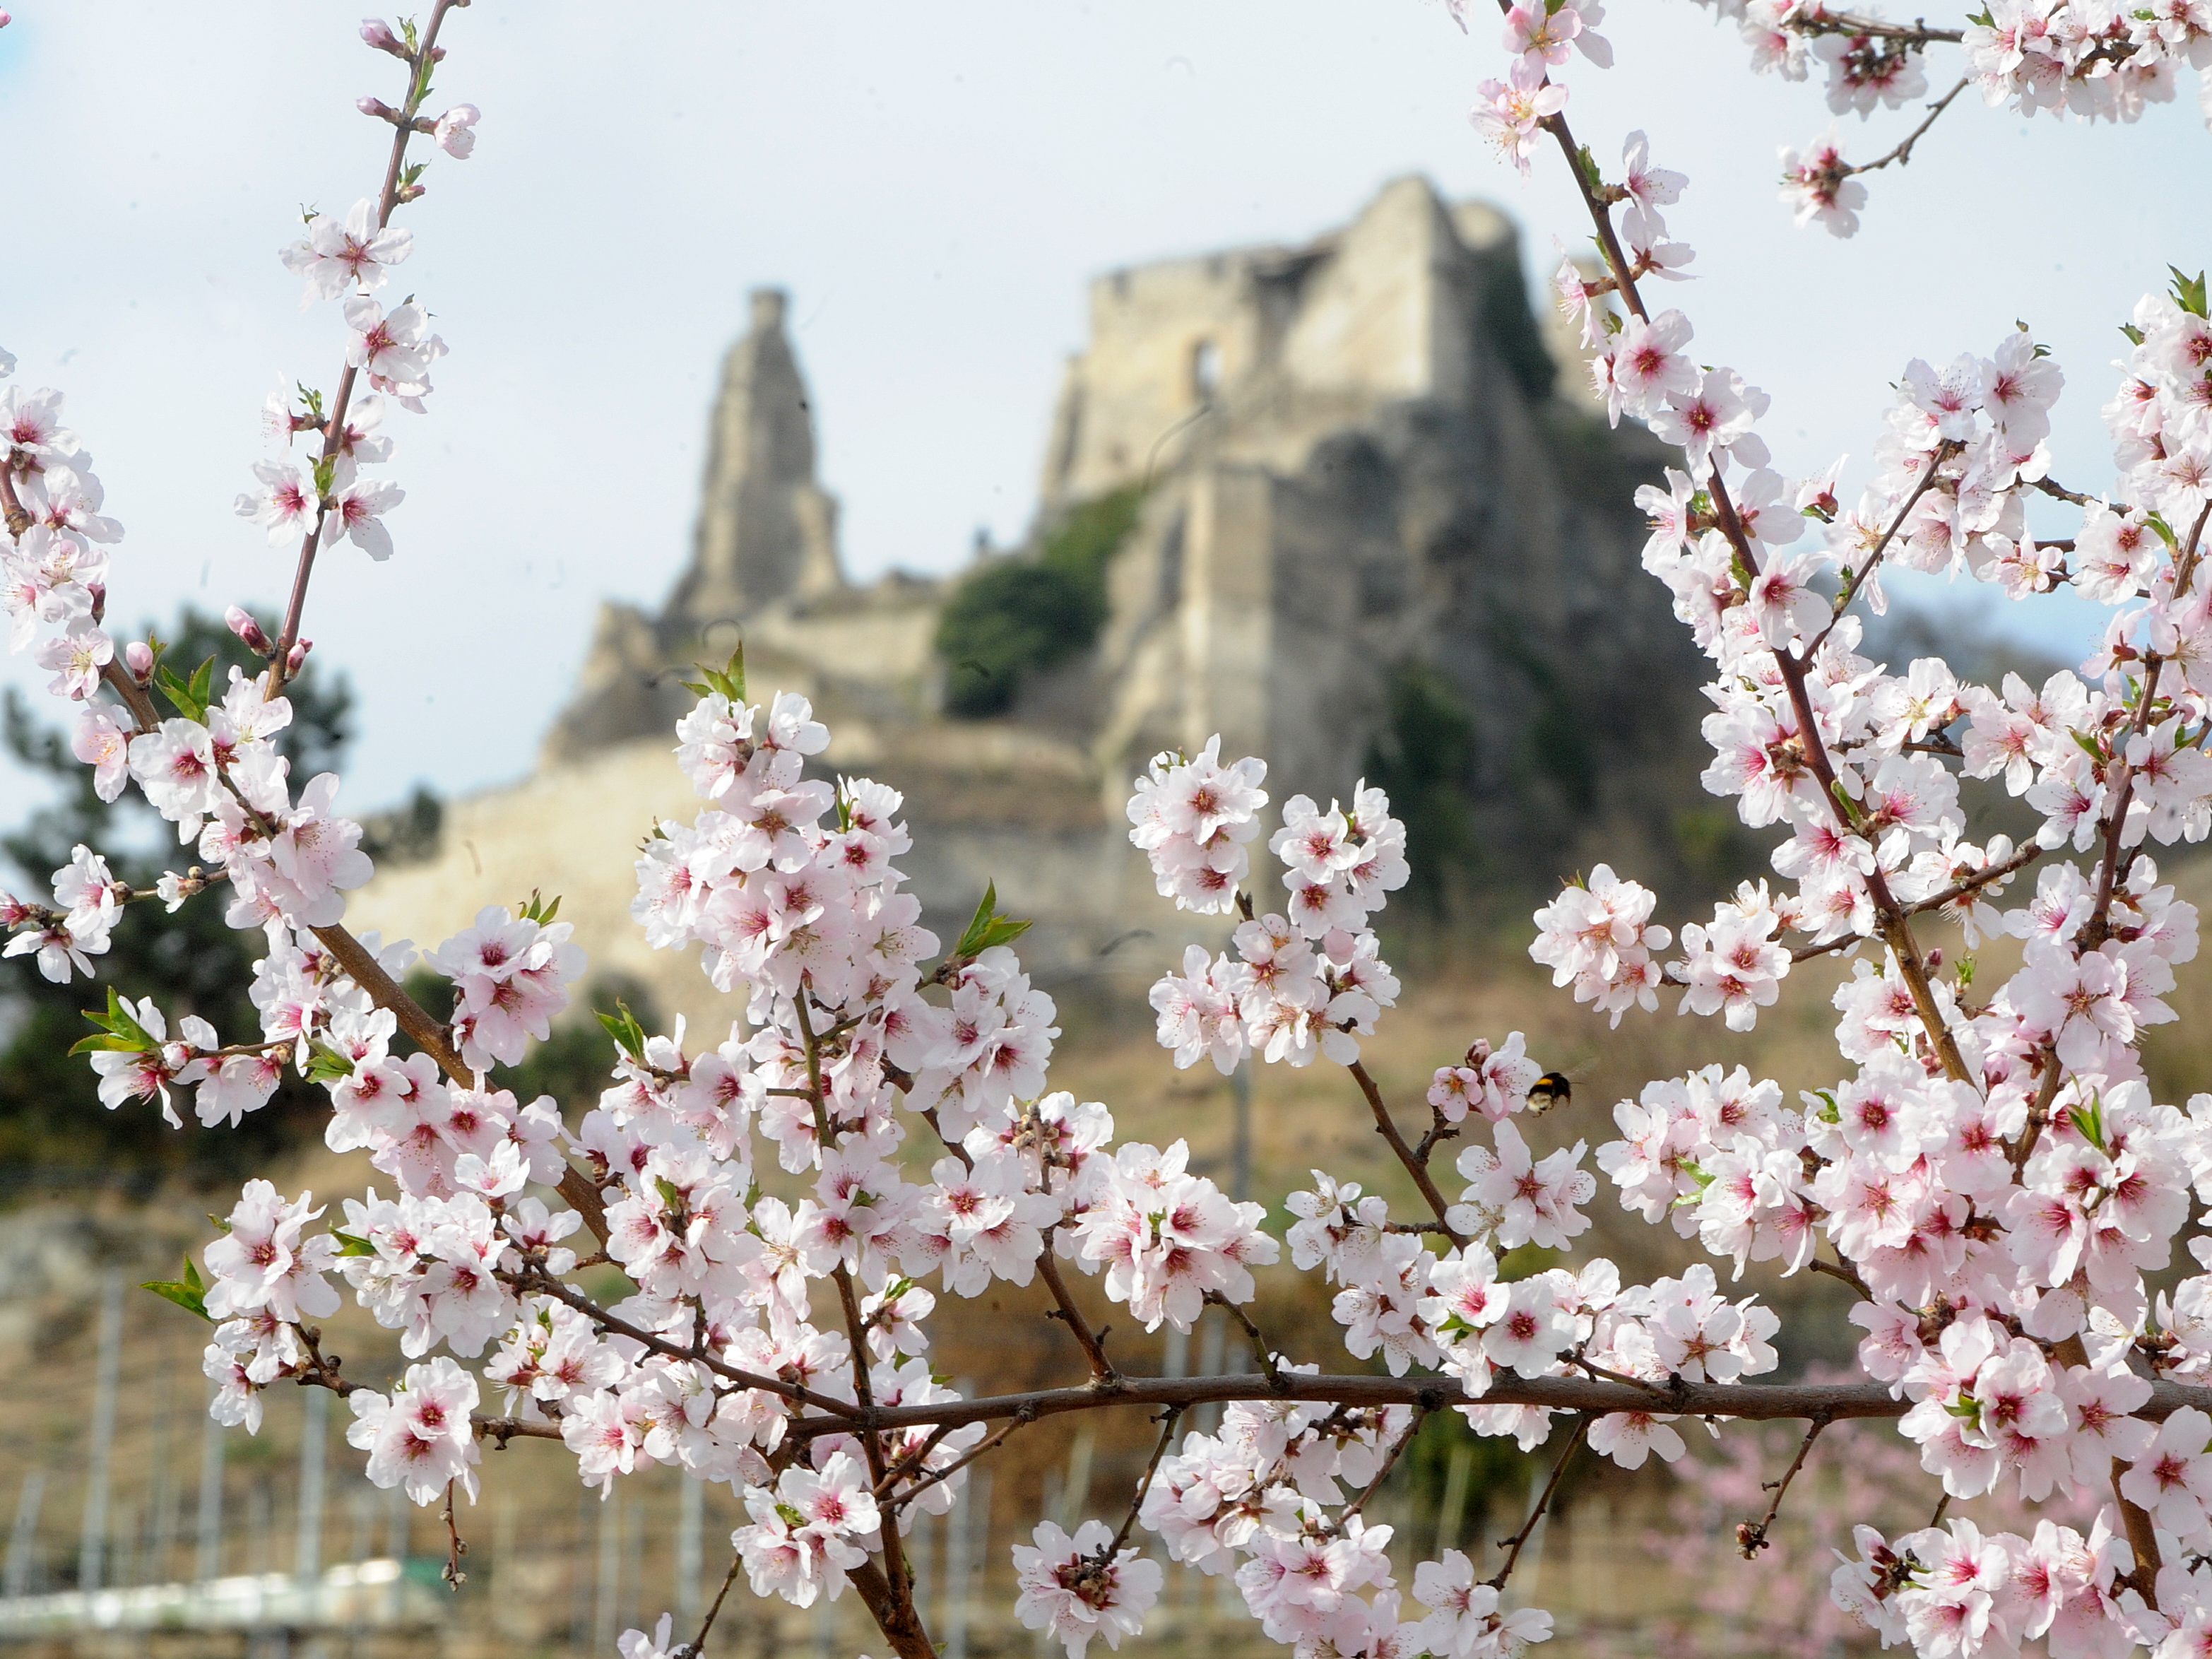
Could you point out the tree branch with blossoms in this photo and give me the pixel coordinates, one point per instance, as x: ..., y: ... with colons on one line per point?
x: 1993, y: 1179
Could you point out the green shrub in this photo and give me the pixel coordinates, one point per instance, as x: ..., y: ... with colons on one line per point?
x: 1423, y: 759
x: 1015, y: 616
x: 53, y: 1132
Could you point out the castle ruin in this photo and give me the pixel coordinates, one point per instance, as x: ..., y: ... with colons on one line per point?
x: 1357, y: 474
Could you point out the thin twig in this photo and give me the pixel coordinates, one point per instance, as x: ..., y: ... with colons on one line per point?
x: 1902, y: 155
x: 1091, y: 1342
x: 1262, y: 1350
x: 1751, y: 1536
x: 1167, y: 1422
x: 1514, y: 1545
x: 456, y: 1547
x: 1389, y: 1463
x: 697, y: 1646
x: 1387, y: 1127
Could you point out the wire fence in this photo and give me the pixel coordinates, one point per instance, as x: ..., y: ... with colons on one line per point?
x: 139, y: 1523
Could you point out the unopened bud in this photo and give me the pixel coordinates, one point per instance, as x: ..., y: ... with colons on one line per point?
x: 296, y: 658
x: 376, y: 32
x: 138, y: 658
x: 98, y: 591
x: 1935, y: 958
x: 5, y: 20
x: 368, y: 104
x: 249, y: 630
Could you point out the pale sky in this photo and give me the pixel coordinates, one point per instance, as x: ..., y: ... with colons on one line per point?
x: 935, y: 185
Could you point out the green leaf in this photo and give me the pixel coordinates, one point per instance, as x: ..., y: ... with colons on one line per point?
x: 2165, y: 531
x: 2188, y: 291
x: 622, y: 1026
x: 326, y: 1064
x: 987, y: 927
x: 2090, y: 1121
x: 729, y: 680
x: 2135, y: 335
x: 539, y: 909
x: 188, y: 697
x: 327, y: 471
x: 349, y: 1245
x: 119, y: 1034
x: 188, y: 1292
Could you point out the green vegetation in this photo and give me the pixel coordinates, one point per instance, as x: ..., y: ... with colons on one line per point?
x: 52, y: 1128
x: 1423, y: 760
x: 1014, y: 616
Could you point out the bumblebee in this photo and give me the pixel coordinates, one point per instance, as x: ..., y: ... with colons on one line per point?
x: 1548, y: 1090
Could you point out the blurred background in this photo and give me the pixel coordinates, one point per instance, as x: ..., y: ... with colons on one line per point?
x: 1033, y: 387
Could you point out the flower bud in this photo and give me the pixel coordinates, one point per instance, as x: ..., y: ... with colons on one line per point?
x: 369, y: 104
x: 376, y: 32
x: 249, y: 630
x: 138, y: 658
x: 99, y: 592
x: 296, y: 658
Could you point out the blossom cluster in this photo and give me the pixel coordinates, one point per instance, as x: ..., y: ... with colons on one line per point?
x: 1306, y: 980
x: 786, y: 1199
x: 2092, y: 59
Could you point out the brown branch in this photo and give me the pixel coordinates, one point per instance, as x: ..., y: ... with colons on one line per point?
x: 1514, y: 1545
x: 1845, y: 22
x: 1262, y: 1350
x: 1950, y: 895
x: 1389, y: 1463
x: 982, y: 1448
x: 1844, y: 1271
x: 1174, y: 1416
x: 2098, y: 926
x: 1751, y: 1536
x: 500, y: 1429
x: 1387, y: 1128
x: 1896, y: 931
x: 697, y: 1646
x: 1858, y: 578
x: 1902, y: 155
x: 545, y: 1284
x: 893, y: 1613
x: 1753, y: 1403
x: 1093, y: 1346
x: 456, y: 1547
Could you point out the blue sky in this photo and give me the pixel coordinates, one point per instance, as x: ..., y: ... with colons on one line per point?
x: 935, y: 185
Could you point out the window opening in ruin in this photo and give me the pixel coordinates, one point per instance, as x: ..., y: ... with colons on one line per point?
x: 1205, y: 371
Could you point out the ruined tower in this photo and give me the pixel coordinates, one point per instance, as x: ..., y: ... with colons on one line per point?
x: 767, y: 531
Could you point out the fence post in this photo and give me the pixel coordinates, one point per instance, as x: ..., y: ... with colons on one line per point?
x: 690, y: 1521
x: 307, y: 1550
x: 92, y: 1552
x: 207, y: 1523
x: 603, y: 1607
x: 23, y: 1538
